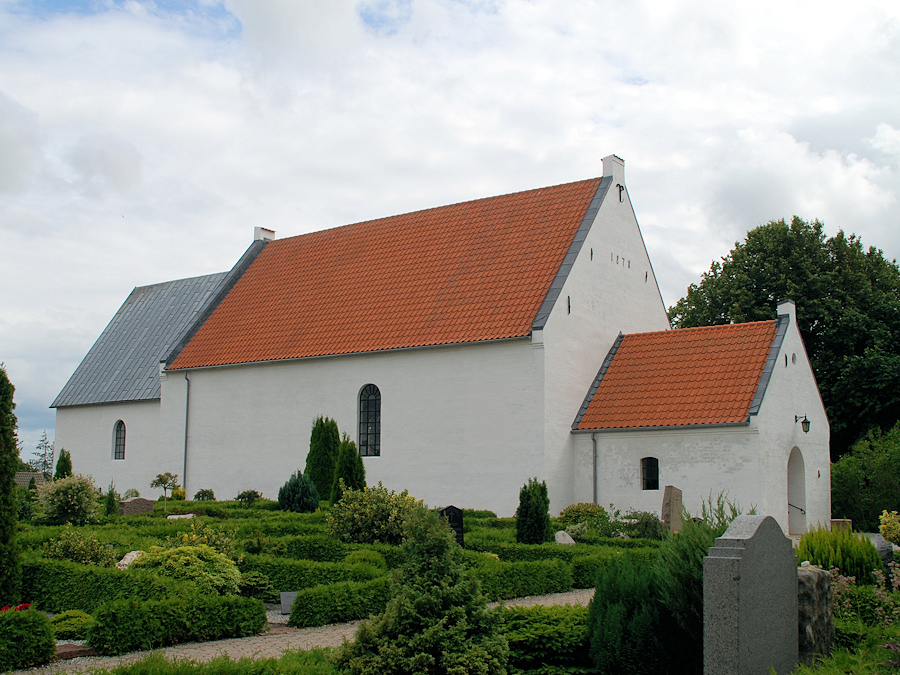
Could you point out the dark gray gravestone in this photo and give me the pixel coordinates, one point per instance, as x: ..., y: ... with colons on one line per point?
x: 287, y: 599
x: 454, y: 516
x: 750, y: 600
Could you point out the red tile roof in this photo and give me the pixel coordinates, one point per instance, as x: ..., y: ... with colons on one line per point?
x: 681, y: 377
x: 461, y: 273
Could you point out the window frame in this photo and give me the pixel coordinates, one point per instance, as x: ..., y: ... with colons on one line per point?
x: 369, y: 421
x: 119, y: 435
x: 650, y: 473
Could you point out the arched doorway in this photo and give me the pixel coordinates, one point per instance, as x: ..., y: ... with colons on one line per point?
x: 796, y: 493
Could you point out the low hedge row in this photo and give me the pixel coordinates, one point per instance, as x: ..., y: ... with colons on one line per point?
x: 58, y: 585
x: 26, y: 639
x: 340, y: 602
x: 131, y: 625
x: 293, y: 575
x: 585, y: 568
x: 503, y: 580
x: 546, y: 636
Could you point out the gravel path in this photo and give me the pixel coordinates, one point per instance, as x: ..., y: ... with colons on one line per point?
x: 279, y: 639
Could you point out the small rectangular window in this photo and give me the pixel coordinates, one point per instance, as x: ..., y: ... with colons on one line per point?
x: 650, y: 473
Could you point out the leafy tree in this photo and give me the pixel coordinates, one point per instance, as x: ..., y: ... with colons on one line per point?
x: 248, y: 498
x: 866, y: 480
x: 10, y: 562
x: 298, y: 494
x: 43, y: 461
x: 63, y: 465
x: 436, y: 621
x: 167, y: 481
x: 848, y: 312
x: 324, y: 442
x: 349, y: 472
x: 533, y: 514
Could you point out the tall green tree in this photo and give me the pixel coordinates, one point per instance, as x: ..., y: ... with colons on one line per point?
x: 10, y: 562
x: 349, y: 474
x: 43, y: 460
x: 533, y: 515
x: 324, y: 442
x: 63, y: 465
x: 848, y: 312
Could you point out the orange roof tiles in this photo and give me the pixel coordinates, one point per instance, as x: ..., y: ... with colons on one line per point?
x: 468, y: 272
x: 682, y: 377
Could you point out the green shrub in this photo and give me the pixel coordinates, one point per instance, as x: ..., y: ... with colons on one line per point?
x: 624, y: 619
x: 58, y: 585
x: 299, y: 494
x: 212, y: 572
x: 349, y: 471
x: 217, y: 538
x: 69, y: 500
x: 324, y: 442
x: 533, y: 514
x: 587, y: 519
x: 339, y: 602
x: 643, y: 525
x: 545, y: 636
x: 852, y: 554
x: 373, y: 514
x: 204, y: 495
x: 256, y: 585
x: 366, y: 557
x: 26, y: 638
x: 72, y: 624
x: 10, y: 550
x: 125, y: 626
x: 585, y: 568
x: 78, y: 546
x: 503, y: 580
x: 890, y: 527
x: 248, y: 498
x: 436, y: 620
x: 292, y: 575
x: 25, y: 500
x: 320, y: 548
x: 63, y: 465
x: 111, y: 502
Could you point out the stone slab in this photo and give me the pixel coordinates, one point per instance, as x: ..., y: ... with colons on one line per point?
x: 287, y: 599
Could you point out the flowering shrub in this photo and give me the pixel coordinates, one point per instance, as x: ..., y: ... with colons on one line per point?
x: 890, y: 527
x: 872, y: 604
x: 69, y: 500
x: 80, y: 547
x: 373, y: 514
x: 211, y: 571
x: 215, y: 537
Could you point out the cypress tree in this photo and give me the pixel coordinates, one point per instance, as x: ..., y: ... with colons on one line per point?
x: 349, y: 474
x: 323, y: 451
x: 533, y: 514
x: 10, y: 563
x: 63, y: 465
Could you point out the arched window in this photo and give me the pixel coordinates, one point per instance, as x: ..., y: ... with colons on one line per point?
x: 650, y: 473
x: 119, y: 452
x: 370, y: 421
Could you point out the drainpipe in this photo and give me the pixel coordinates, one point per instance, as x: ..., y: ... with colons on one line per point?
x: 187, y: 407
x: 594, y: 472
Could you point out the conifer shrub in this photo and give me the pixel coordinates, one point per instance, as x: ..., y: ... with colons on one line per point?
x: 292, y: 575
x: 371, y: 515
x: 299, y: 494
x: 339, y: 602
x: 248, y: 498
x: 111, y: 502
x: 585, y: 568
x: 72, y: 499
x: 546, y: 637
x: 79, y: 546
x: 26, y: 638
x: 10, y: 553
x: 436, y: 620
x: 533, y: 514
x: 63, y: 465
x: 852, y: 554
x: 256, y: 585
x: 72, y: 624
x: 204, y: 495
x: 504, y: 580
x: 349, y: 471
x: 324, y: 441
x: 211, y: 572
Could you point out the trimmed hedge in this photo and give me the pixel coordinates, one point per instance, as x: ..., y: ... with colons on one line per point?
x: 546, y: 636
x: 320, y: 548
x: 26, y: 639
x: 503, y: 580
x: 340, y: 602
x: 58, y: 585
x: 129, y: 625
x: 294, y: 575
x: 585, y: 568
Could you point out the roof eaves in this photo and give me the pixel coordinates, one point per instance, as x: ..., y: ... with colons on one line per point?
x: 780, y: 331
x: 670, y: 427
x: 596, y: 384
x: 226, y: 285
x: 574, y: 248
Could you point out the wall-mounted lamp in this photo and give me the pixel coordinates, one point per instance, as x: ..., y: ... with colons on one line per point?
x: 804, y: 424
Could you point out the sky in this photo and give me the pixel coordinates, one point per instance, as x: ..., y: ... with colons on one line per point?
x: 143, y: 141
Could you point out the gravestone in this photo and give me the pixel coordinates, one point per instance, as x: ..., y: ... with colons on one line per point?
x: 671, y: 508
x: 287, y: 599
x: 750, y: 600
x: 454, y: 516
x: 128, y: 507
x: 564, y: 538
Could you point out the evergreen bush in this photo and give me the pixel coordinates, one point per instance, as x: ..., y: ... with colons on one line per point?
x: 324, y: 442
x: 72, y: 624
x: 349, y: 471
x: 212, y: 572
x: 436, y: 620
x: 533, y: 514
x: 10, y: 562
x: 78, y: 546
x: 218, y: 538
x: 546, y: 637
x: 26, y: 638
x: 63, y: 465
x: 853, y: 554
x: 111, y: 502
x: 371, y: 515
x: 299, y: 494
x: 256, y: 585
x: 890, y: 527
x: 585, y: 568
x: 204, y: 495
x: 69, y: 500
x: 504, y: 580
x: 292, y: 575
x: 339, y: 602
x: 248, y: 498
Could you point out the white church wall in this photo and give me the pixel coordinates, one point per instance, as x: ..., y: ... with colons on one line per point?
x: 87, y: 432
x: 460, y: 425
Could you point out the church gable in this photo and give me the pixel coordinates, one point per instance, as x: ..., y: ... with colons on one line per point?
x: 469, y: 272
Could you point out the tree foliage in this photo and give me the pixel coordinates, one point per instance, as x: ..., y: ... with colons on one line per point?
x: 63, y: 465
x: 69, y: 500
x: 533, y: 514
x: 43, y: 460
x: 349, y: 473
x: 167, y: 481
x: 10, y: 564
x: 298, y: 494
x: 324, y: 442
x: 848, y: 312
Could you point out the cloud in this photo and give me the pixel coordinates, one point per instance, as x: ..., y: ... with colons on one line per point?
x: 20, y: 145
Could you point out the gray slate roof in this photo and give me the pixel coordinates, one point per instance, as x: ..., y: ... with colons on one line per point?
x: 123, y: 364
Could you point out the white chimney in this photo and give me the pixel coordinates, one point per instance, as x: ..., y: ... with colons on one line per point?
x: 263, y: 234
x: 615, y: 167
x: 788, y: 307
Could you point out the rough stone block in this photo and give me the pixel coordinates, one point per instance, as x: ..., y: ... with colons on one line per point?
x: 815, y: 613
x: 128, y: 507
x: 564, y: 538
x: 672, y: 508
